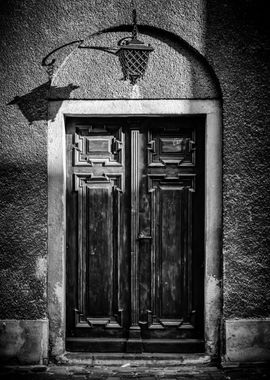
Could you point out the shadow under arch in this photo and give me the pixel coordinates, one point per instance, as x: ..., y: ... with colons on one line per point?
x: 171, y: 39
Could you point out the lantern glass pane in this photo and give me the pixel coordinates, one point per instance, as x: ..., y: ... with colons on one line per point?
x: 133, y: 62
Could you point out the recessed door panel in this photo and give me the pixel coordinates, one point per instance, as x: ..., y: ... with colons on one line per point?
x: 171, y: 251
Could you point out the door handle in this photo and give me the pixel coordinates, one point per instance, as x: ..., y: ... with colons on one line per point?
x: 142, y: 236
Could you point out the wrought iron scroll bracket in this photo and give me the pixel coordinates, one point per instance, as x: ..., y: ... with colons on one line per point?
x: 133, y: 54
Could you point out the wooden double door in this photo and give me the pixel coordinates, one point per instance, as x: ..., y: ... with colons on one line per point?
x: 135, y: 234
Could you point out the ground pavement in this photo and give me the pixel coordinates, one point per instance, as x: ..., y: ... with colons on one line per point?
x: 129, y: 372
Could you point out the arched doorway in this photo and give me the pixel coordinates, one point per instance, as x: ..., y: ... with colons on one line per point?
x: 142, y: 256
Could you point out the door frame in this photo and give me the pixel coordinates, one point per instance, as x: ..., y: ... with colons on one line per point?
x: 57, y: 112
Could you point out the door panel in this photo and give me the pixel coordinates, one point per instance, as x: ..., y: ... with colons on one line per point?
x: 171, y: 252
x: 96, y: 236
x: 135, y: 222
x: 172, y: 196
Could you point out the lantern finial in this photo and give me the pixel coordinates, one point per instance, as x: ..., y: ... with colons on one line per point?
x: 135, y: 28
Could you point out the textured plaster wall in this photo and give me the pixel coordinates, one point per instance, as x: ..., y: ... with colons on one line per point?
x: 237, y: 46
x: 231, y: 36
x: 173, y: 71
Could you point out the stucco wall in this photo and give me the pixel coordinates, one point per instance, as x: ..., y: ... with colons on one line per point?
x: 173, y: 72
x: 237, y: 48
x: 232, y: 36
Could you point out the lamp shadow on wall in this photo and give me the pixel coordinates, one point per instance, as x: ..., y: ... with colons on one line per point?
x: 34, y: 105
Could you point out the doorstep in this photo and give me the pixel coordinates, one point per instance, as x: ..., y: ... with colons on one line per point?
x: 133, y: 360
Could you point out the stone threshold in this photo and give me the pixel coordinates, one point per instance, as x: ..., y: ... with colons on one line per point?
x: 248, y: 364
x: 84, y: 372
x: 133, y: 360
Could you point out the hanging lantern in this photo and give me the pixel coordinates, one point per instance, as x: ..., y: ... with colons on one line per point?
x: 133, y: 54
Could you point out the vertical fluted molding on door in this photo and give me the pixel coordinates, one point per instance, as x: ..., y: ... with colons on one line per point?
x: 134, y: 343
x: 134, y: 226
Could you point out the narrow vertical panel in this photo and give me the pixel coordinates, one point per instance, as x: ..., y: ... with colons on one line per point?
x: 145, y: 245
x: 171, y: 251
x: 134, y: 225
x: 154, y: 246
x: 185, y: 259
x: 188, y: 252
x: 99, y: 252
x: 81, y: 249
x: 186, y: 233
x: 117, y: 248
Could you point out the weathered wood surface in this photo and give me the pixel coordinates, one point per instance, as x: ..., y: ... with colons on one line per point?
x: 135, y: 243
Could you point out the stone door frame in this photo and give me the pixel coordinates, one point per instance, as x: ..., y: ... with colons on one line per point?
x: 58, y: 110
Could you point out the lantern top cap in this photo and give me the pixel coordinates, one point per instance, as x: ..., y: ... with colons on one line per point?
x: 129, y: 43
x: 134, y: 43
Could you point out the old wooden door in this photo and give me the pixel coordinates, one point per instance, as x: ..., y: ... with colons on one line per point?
x: 135, y: 234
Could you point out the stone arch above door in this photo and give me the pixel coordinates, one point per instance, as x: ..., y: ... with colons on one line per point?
x: 178, y: 81
x: 175, y: 70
